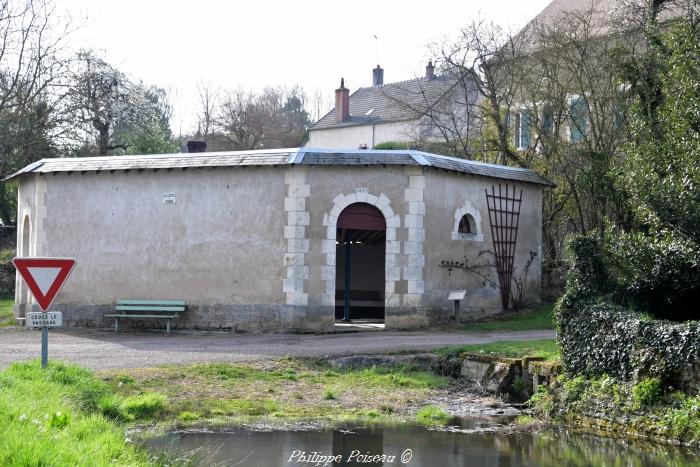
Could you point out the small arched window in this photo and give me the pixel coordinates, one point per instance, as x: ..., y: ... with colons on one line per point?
x: 467, y: 225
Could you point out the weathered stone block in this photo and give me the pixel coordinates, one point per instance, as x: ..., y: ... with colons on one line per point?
x: 416, y: 207
x: 298, y: 218
x: 416, y: 287
x: 413, y: 221
x: 413, y: 194
x: 297, y: 245
x: 297, y: 272
x: 393, y: 247
x: 416, y: 235
x: 413, y: 248
x: 294, y: 204
x: 294, y: 231
x: 393, y: 221
x: 299, y: 191
x: 294, y: 259
x: 393, y: 274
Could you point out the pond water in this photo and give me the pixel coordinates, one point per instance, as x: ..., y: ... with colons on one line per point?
x: 471, y: 446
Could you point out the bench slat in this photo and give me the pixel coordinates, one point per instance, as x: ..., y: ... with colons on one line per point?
x: 152, y: 302
x: 143, y: 316
x: 148, y: 308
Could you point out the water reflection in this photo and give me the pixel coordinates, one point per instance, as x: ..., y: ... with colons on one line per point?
x: 416, y: 447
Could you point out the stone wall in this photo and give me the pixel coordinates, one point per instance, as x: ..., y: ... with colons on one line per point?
x: 235, y: 318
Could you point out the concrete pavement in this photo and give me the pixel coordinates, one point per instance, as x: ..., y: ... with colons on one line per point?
x: 100, y: 350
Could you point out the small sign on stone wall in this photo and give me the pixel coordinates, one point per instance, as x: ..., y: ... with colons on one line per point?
x: 361, y: 191
x: 169, y: 198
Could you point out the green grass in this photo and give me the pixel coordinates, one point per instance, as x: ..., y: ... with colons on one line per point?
x: 547, y: 348
x: 432, y: 416
x: 6, y: 314
x: 523, y: 321
x: 286, y: 389
x: 52, y: 417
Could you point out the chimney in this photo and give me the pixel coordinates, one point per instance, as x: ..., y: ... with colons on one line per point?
x: 196, y: 146
x: 430, y: 71
x: 342, y: 102
x: 377, y: 76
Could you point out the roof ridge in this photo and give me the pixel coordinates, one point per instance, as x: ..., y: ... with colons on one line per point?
x: 441, y: 77
x: 280, y: 157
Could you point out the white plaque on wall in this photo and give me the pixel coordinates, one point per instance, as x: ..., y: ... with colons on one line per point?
x: 169, y: 198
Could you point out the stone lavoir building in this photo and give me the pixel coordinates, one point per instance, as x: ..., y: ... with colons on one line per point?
x: 258, y: 240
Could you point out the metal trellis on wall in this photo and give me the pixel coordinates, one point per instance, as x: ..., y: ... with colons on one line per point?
x: 504, y: 216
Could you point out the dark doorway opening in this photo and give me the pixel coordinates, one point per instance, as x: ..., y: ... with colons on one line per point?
x: 360, y: 258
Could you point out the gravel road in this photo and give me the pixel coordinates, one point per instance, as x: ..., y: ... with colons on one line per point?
x: 100, y: 350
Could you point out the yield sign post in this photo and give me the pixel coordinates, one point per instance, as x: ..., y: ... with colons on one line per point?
x: 44, y: 277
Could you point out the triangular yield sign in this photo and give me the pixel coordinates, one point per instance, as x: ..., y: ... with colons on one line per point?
x: 44, y: 276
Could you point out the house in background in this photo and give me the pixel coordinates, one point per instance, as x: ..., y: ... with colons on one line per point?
x: 405, y: 111
x: 568, y: 48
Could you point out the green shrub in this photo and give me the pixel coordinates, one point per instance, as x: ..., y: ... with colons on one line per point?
x: 392, y: 145
x: 647, y: 391
x: 573, y: 389
x: 126, y: 379
x: 188, y: 416
x: 431, y: 415
x: 111, y: 406
x: 144, y: 406
x: 330, y: 394
x: 518, y: 384
x: 684, y: 420
x: 598, y: 337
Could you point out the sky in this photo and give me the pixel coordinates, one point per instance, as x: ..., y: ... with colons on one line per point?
x: 256, y: 43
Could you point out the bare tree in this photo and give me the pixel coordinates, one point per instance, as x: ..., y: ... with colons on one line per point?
x: 114, y: 111
x: 485, y: 58
x: 320, y: 104
x: 274, y: 118
x: 33, y: 71
x: 206, y: 113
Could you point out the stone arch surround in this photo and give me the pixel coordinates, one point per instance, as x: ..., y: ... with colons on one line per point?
x: 467, y: 208
x: 392, y: 270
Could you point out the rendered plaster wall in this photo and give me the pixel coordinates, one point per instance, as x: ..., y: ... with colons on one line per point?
x: 220, y: 242
x: 356, y: 136
x: 448, y: 196
x: 31, y: 239
x: 255, y: 248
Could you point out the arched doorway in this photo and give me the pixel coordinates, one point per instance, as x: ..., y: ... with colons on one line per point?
x: 360, y: 258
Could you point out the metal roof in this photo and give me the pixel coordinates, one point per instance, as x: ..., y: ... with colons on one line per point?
x: 281, y: 157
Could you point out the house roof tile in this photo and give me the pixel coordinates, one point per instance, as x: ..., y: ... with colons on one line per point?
x: 393, y: 102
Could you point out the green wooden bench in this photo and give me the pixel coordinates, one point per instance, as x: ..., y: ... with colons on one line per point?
x: 147, y: 309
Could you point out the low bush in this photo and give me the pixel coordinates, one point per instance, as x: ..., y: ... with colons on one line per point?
x: 144, y: 406
x: 432, y: 415
x: 647, y: 391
